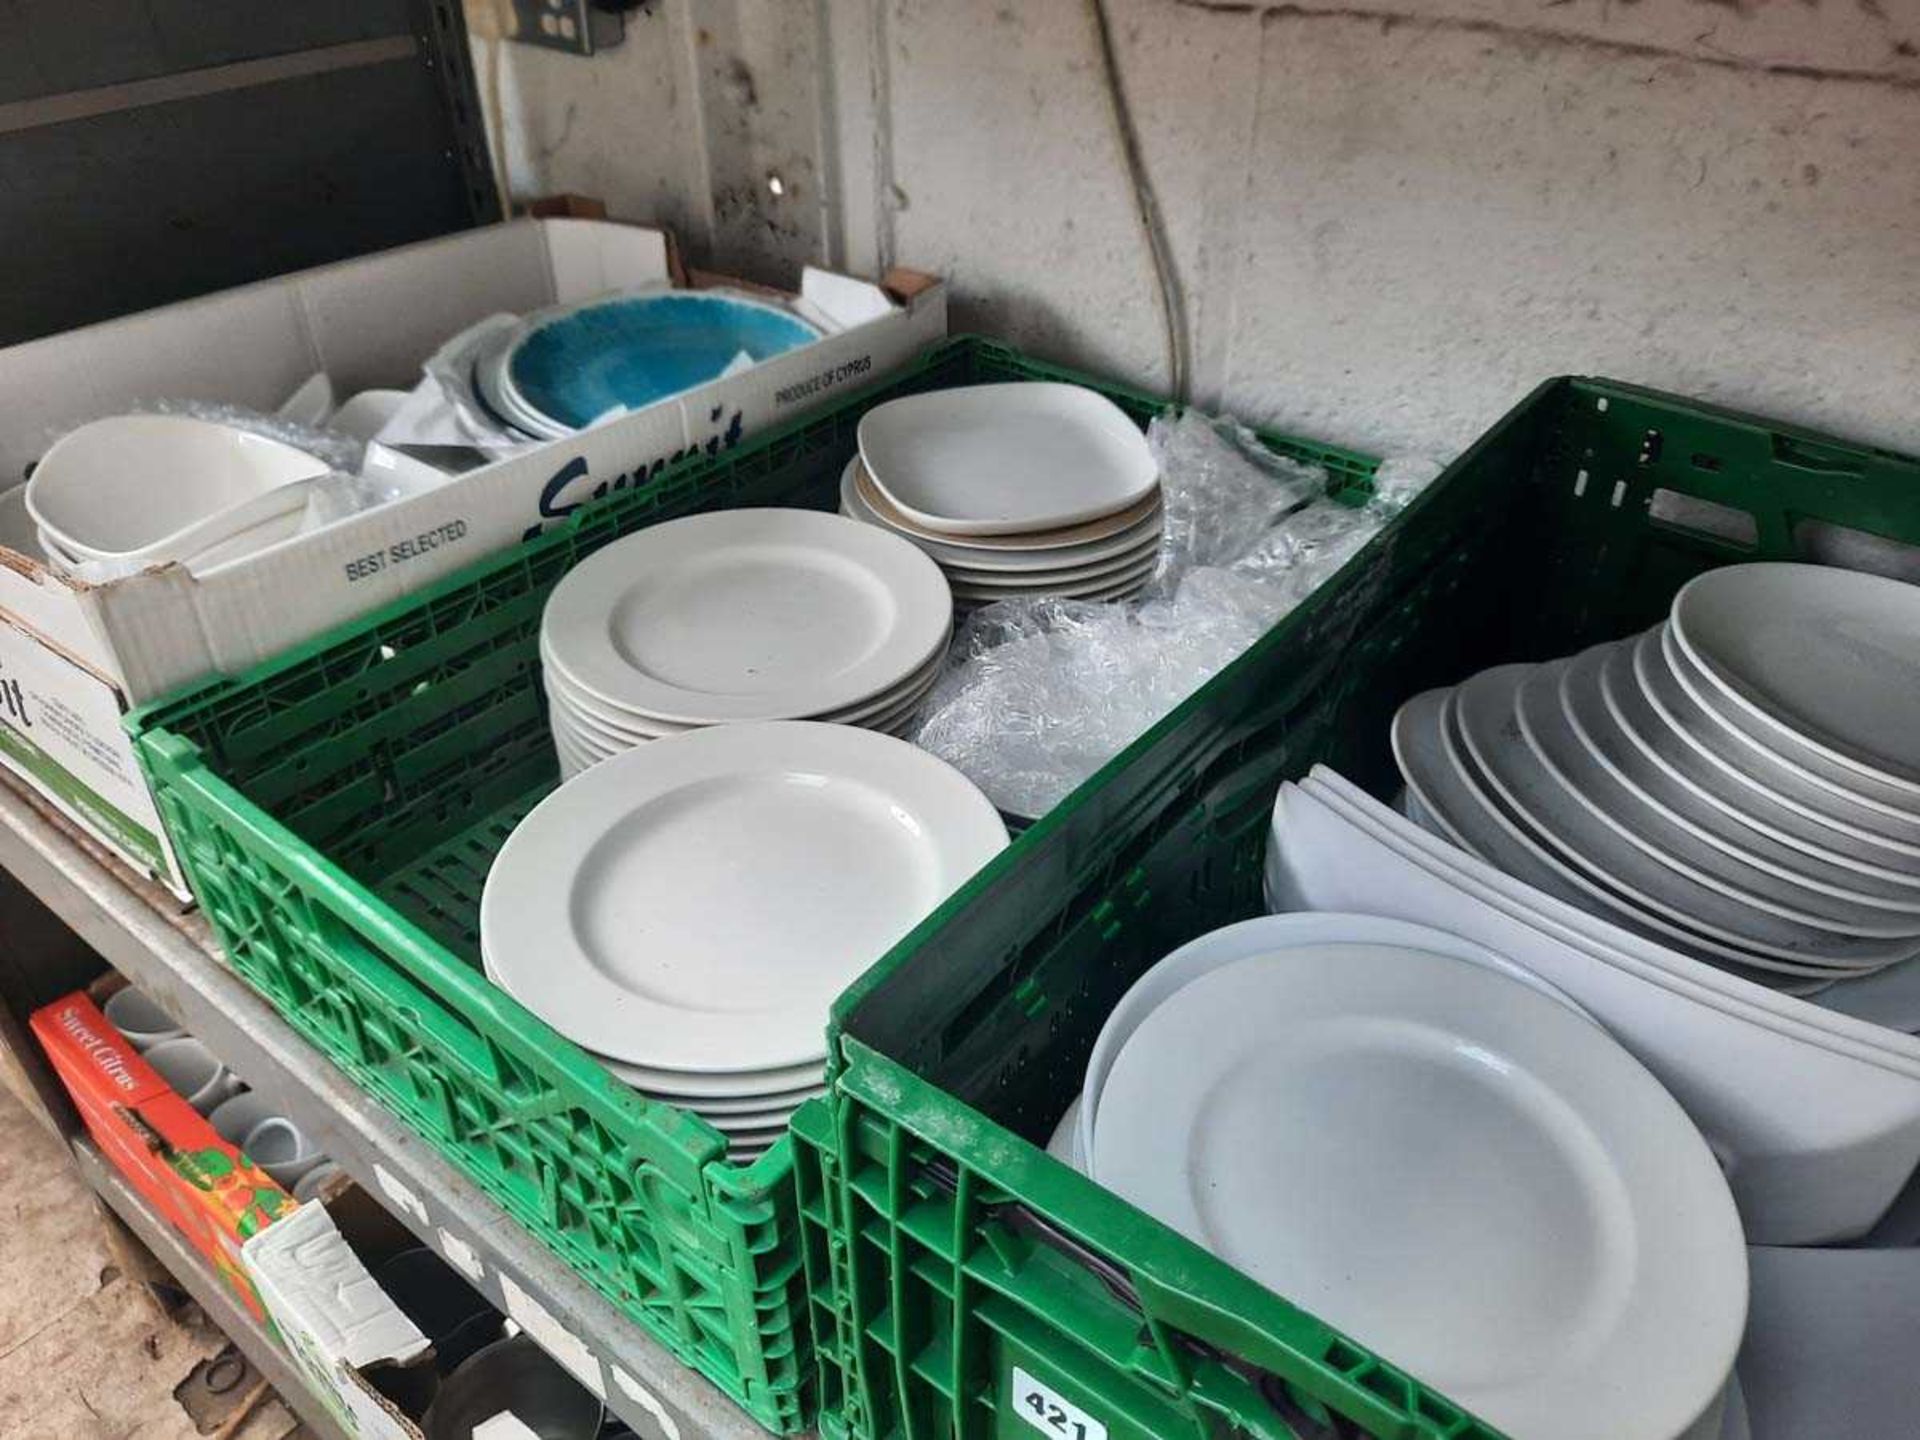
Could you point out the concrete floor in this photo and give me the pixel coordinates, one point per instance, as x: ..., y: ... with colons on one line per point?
x: 86, y: 1352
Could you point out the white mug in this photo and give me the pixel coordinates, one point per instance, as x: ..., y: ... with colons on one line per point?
x: 194, y: 1072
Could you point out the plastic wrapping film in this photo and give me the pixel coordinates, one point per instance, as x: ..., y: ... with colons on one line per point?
x: 1040, y: 693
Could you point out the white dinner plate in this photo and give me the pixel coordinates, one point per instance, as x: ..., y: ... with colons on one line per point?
x: 1102, y: 587
x: 1754, y: 769
x: 589, y: 725
x: 993, y: 553
x: 599, y: 716
x: 761, y: 1129
x: 1002, y: 459
x: 1064, y: 1144
x: 750, y: 1089
x: 1442, y: 779
x: 701, y: 903
x: 742, y: 1110
x: 1134, y: 520
x: 1630, y: 818
x: 592, y: 736
x: 589, y: 744
x: 494, y: 390
x: 1029, y: 581
x: 1484, y: 711
x: 1633, y: 715
x: 1806, y: 763
x: 1454, y: 1169
x: 1583, y: 701
x: 746, y: 615
x: 1825, y: 660
x: 1320, y: 932
x: 574, y: 757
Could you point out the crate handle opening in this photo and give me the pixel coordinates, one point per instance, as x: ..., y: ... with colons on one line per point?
x: 1821, y: 542
x: 1296, y: 1421
x: 1709, y: 519
x: 1814, y: 458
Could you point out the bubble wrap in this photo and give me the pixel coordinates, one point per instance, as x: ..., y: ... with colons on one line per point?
x: 341, y: 451
x: 1038, y: 694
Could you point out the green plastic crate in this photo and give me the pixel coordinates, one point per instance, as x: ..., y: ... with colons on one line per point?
x: 947, y: 1253
x: 336, y: 811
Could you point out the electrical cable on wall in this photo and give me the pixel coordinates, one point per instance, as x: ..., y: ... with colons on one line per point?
x: 1167, y: 280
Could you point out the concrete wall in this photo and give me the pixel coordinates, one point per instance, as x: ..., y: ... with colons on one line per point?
x: 1389, y: 219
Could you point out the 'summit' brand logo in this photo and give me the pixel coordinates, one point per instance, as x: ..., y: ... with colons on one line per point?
x: 555, y: 504
x: 102, y: 1051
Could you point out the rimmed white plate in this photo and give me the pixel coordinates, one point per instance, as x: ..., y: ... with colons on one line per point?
x: 1316, y: 936
x: 1451, y: 1167
x: 701, y: 903
x: 761, y: 1129
x: 625, y: 723
x: 1002, y: 459
x: 588, y: 725
x: 1484, y: 714
x: 1600, y: 726
x: 1101, y: 587
x: 593, y: 744
x: 748, y: 614
x: 1826, y: 661
x: 1496, y: 834
x: 748, y: 1109
x: 1804, y: 764
x: 1453, y: 805
x: 1147, y: 556
x: 1135, y: 519
x: 1757, y: 770
x: 1630, y: 818
x: 493, y: 388
x: 993, y: 553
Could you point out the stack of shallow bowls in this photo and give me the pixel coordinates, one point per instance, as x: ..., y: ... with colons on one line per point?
x: 562, y: 370
x: 131, y: 491
x: 689, y: 911
x: 1016, y: 490
x: 1439, y: 1154
x: 740, y: 615
x: 1741, y: 782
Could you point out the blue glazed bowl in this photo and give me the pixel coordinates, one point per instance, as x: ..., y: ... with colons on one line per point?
x: 628, y: 353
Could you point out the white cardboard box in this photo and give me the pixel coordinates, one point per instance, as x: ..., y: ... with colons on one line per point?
x: 73, y: 657
x: 334, y: 1319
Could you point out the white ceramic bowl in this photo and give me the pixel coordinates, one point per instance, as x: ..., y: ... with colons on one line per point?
x: 145, y: 489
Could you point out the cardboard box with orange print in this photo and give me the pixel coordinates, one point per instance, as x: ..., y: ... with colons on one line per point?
x: 210, y: 1192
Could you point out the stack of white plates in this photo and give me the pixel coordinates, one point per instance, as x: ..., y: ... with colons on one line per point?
x: 1014, y: 490
x: 689, y: 913
x: 1815, y: 1114
x: 740, y: 615
x: 1441, y: 1155
x: 1742, y: 782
